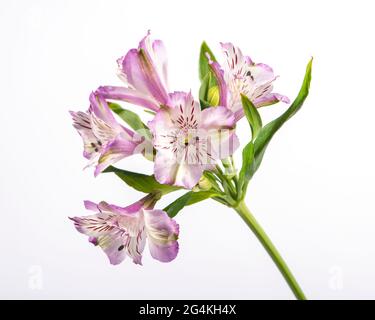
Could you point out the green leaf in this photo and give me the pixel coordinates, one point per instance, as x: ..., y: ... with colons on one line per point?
x: 252, y: 115
x: 266, y: 133
x: 252, y: 154
x: 141, y: 182
x: 247, y: 169
x: 131, y: 118
x: 208, y: 94
x: 187, y: 199
x: 203, y: 61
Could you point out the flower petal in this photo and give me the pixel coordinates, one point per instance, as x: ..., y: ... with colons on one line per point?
x: 82, y: 123
x: 261, y: 73
x: 219, y: 76
x: 116, y: 150
x: 117, y: 234
x: 219, y: 122
x: 100, y: 108
x: 125, y: 211
x: 103, y: 131
x: 222, y: 143
x: 162, y: 233
x: 243, y: 76
x: 170, y: 170
x: 89, y: 205
x: 128, y: 95
x: 234, y: 57
x: 157, y: 54
x: 145, y: 70
x: 161, y: 124
x: 136, y: 246
x: 184, y: 109
x: 270, y: 99
x: 113, y: 248
x: 102, y: 227
x: 217, y: 118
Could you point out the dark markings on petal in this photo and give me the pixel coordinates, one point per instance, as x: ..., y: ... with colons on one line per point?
x: 250, y: 75
x: 82, y: 126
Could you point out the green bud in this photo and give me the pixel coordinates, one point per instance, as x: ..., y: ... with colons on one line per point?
x: 213, y: 96
x: 230, y: 171
x: 203, y: 185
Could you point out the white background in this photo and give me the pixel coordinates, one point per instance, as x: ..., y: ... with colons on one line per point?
x: 314, y: 193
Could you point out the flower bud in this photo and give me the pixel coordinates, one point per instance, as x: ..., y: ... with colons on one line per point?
x: 213, y: 96
x: 203, y: 185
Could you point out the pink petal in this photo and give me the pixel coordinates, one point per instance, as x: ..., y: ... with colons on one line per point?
x: 162, y: 233
x: 145, y: 70
x: 89, y: 205
x: 128, y: 95
x: 219, y: 123
x: 270, y: 99
x: 234, y: 57
x: 262, y: 73
x: 217, y: 118
x: 111, y: 247
x: 184, y: 105
x: 219, y: 76
x: 82, y: 123
x: 168, y: 170
x: 136, y: 246
x: 222, y: 143
x: 130, y: 210
x: 101, y: 110
x: 162, y: 123
x: 118, y: 231
x: 116, y: 150
x: 157, y: 54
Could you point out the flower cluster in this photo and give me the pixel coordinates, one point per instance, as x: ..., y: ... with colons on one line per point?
x: 190, y: 141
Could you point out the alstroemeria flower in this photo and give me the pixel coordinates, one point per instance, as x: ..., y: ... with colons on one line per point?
x: 242, y: 76
x: 144, y: 72
x: 105, y: 140
x: 122, y: 232
x: 189, y: 140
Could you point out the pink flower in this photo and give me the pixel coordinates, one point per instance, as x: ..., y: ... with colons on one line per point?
x: 122, y: 232
x: 242, y: 76
x: 105, y: 140
x: 144, y: 72
x: 189, y: 140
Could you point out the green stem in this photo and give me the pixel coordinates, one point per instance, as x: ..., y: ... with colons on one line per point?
x: 226, y: 183
x: 247, y: 216
x: 235, y: 178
